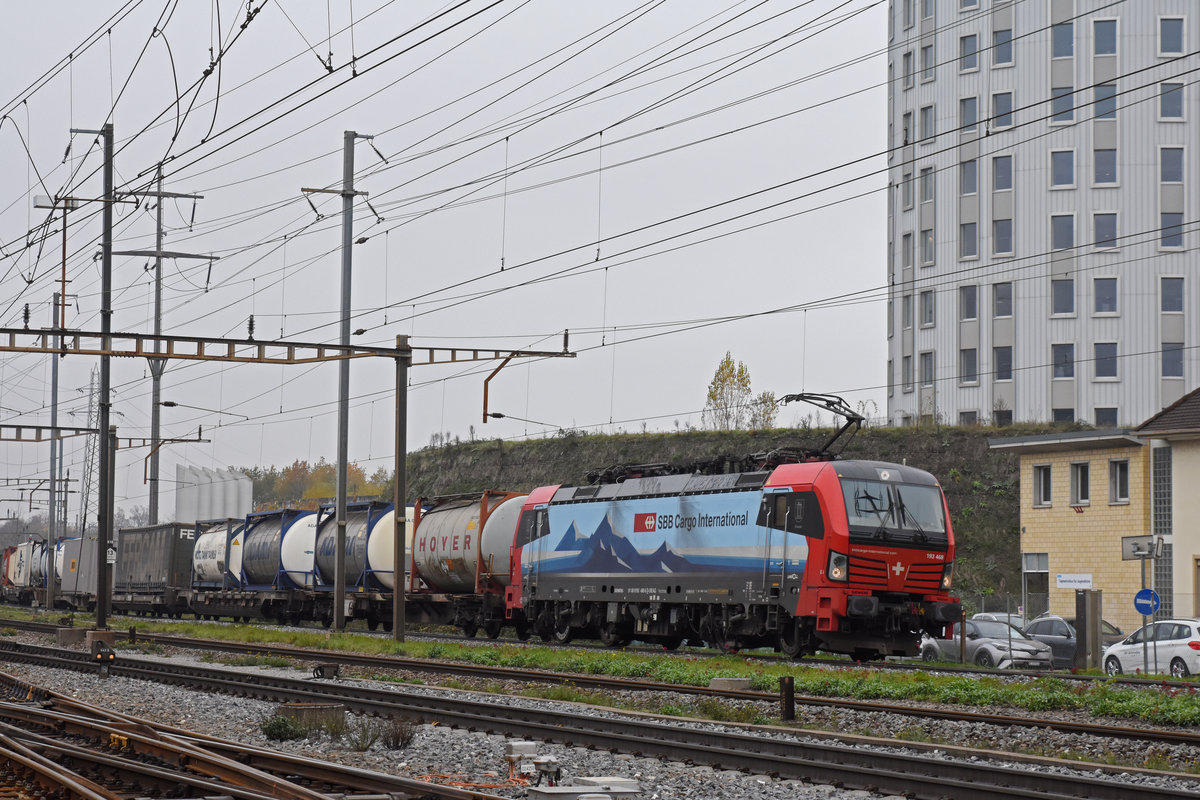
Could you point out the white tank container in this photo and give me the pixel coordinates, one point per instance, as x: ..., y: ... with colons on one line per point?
x: 296, y: 551
x: 380, y: 547
x: 215, y: 552
x: 448, y: 545
x: 37, y: 564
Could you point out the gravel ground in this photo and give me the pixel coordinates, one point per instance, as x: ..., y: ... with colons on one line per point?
x: 479, y: 758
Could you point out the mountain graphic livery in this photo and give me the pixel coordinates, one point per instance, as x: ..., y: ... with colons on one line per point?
x: 607, y: 551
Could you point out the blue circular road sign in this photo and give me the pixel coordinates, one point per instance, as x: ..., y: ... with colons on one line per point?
x: 1146, y: 602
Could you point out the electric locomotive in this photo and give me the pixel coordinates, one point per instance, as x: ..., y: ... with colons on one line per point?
x: 791, y: 549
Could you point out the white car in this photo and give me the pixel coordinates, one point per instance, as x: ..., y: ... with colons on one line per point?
x: 1171, y: 645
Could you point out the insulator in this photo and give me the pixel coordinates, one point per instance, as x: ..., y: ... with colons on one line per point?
x: 26, y: 315
x: 251, y: 327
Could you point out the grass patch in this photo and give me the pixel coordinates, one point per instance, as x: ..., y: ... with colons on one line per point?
x: 248, y: 660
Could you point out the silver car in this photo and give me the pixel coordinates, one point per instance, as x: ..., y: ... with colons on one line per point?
x: 990, y: 644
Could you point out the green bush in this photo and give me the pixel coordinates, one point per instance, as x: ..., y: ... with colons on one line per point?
x: 280, y: 728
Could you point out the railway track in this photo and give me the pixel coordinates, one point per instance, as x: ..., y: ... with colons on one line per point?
x: 599, y: 682
x: 773, y: 751
x: 53, y: 746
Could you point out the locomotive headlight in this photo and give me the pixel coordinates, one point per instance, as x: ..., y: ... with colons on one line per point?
x: 839, y: 566
x: 948, y: 576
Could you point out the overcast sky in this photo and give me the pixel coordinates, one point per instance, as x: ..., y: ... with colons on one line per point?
x: 652, y: 176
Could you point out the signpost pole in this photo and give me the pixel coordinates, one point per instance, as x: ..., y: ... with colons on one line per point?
x: 1145, y: 633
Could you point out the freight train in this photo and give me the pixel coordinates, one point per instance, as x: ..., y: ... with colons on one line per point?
x: 796, y: 550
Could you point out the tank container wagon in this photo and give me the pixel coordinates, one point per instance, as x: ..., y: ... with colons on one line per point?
x: 461, y: 562
x: 790, y: 549
x: 152, y: 575
x: 368, y: 563
x: 24, y: 572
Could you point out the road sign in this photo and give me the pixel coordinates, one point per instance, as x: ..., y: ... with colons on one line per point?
x: 1146, y: 602
x: 112, y: 558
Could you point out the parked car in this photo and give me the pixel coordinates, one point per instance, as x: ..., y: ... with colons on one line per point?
x: 1171, y: 644
x: 1059, y: 633
x: 990, y: 644
x: 1016, y: 620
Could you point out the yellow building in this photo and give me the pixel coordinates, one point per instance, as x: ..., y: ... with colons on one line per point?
x: 1081, y: 494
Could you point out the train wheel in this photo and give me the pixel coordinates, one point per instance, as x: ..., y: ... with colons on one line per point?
x: 327, y: 621
x: 563, y: 633
x: 372, y: 624
x: 470, y: 628
x: 790, y: 643
x: 387, y: 625
x: 672, y: 642
x: 492, y: 628
x: 522, y: 631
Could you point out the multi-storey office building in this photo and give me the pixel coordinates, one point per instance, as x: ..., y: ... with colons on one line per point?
x: 1044, y: 169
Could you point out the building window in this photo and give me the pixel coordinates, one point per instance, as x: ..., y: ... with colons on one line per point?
x: 908, y: 13
x: 1170, y: 101
x: 1105, y: 165
x: 968, y: 113
x: 1041, y: 485
x: 968, y: 240
x: 968, y: 52
x: 906, y: 245
x: 968, y: 365
x: 927, y: 8
x: 906, y: 373
x: 927, y: 249
x: 1062, y: 40
x: 1105, y: 359
x: 906, y: 311
x: 1171, y: 164
x: 927, y: 368
x: 968, y: 180
x: 907, y: 129
x: 964, y: 4
x: 928, y: 123
x: 1170, y: 36
x: 906, y: 191
x: 1172, y: 359
x: 1104, y: 37
x: 1001, y: 173
x: 1002, y: 301
x: 1106, y: 101
x: 1062, y: 168
x: 927, y: 185
x: 1172, y: 229
x: 1062, y: 231
x: 1002, y: 362
x: 1105, y: 290
x: 927, y: 62
x: 1002, y: 237
x: 1002, y: 417
x: 1118, y: 479
x: 966, y: 418
x: 891, y: 380
x: 1002, y: 105
x: 927, y: 308
x: 1002, y: 51
x: 1062, y: 104
x: 1065, y: 416
x: 908, y: 69
x: 1172, y: 295
x: 1063, y: 358
x: 1106, y: 418
x: 1105, y: 226
x: 1062, y: 296
x: 1079, y: 484
x: 968, y: 302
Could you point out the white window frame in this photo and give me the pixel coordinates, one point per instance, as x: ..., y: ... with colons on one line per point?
x: 1116, y: 237
x: 1182, y: 163
x: 961, y: 193
x: 1115, y: 495
x: 1183, y: 294
x: 962, y: 309
x: 1069, y: 93
x: 928, y: 66
x: 1182, y: 103
x: 1172, y: 248
x: 995, y: 49
x: 1117, y: 295
x: 972, y: 256
x: 928, y: 248
x: 1011, y: 114
x: 1074, y: 170
x: 1182, y: 37
x: 1043, y: 486
x: 1081, y: 480
x: 927, y: 302
x: 963, y: 379
x: 1116, y: 357
x: 1096, y: 182
x: 1074, y: 304
x: 1117, y: 35
x: 962, y: 54
x: 1074, y: 233
x: 1071, y: 24
x: 996, y: 251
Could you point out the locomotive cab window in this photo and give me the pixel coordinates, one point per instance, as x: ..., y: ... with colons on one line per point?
x: 794, y: 512
x: 894, y: 511
x: 533, y: 525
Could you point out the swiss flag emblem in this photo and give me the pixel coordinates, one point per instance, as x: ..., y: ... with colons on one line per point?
x: 644, y: 523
